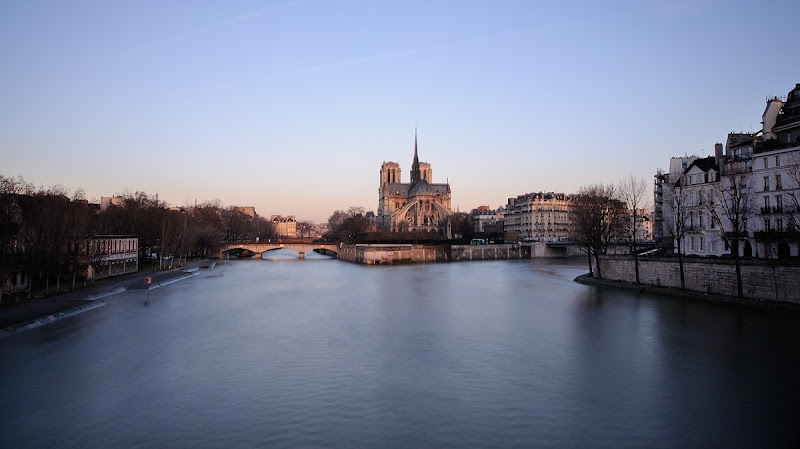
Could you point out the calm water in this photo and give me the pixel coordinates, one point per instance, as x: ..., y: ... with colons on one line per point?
x: 322, y: 353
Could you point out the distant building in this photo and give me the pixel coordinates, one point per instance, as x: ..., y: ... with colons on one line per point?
x: 419, y: 205
x: 538, y: 216
x: 103, y: 256
x: 482, y: 218
x: 320, y: 230
x: 250, y: 211
x: 284, y: 226
x: 108, y: 201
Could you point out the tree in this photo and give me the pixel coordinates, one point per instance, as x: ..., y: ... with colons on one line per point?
x: 348, y: 226
x: 460, y: 226
x: 730, y: 205
x: 597, y: 218
x: 304, y: 228
x: 676, y: 200
x: 632, y: 192
x: 263, y: 229
x: 792, y: 194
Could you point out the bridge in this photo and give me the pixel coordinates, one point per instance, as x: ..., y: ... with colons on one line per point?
x: 258, y: 248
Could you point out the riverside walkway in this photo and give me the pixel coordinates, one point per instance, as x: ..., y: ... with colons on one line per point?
x: 30, y: 313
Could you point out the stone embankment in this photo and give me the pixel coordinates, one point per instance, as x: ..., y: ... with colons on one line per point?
x: 762, y: 280
x: 373, y: 254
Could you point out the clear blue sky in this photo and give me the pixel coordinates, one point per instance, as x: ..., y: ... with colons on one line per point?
x: 292, y: 106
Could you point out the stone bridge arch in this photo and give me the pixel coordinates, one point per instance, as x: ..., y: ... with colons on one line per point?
x: 258, y: 249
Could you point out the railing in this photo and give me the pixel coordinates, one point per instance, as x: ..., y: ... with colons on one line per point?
x: 773, y: 209
x: 772, y: 234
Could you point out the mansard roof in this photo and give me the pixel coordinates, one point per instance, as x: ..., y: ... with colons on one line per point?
x: 705, y: 164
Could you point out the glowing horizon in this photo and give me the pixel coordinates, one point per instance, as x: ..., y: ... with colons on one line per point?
x: 292, y: 107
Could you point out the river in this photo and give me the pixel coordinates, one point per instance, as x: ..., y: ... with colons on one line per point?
x: 322, y: 353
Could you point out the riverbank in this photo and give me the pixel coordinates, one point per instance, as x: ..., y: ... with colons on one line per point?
x: 588, y: 279
x: 32, y: 313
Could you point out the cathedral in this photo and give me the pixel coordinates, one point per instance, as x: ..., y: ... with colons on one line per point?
x: 419, y: 205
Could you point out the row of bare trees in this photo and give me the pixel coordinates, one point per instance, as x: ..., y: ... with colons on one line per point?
x: 39, y: 226
x: 602, y: 214
x: 348, y: 226
x: 729, y: 202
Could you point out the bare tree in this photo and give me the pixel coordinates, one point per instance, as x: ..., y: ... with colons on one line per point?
x: 676, y: 200
x: 597, y: 219
x: 304, y: 228
x: 731, y: 207
x: 633, y: 193
x: 792, y: 195
x: 348, y: 226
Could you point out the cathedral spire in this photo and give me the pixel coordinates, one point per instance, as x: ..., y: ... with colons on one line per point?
x: 415, y: 175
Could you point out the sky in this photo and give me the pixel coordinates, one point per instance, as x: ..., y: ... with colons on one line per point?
x: 292, y: 106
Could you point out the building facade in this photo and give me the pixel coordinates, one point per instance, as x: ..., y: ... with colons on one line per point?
x: 759, y: 173
x: 485, y: 219
x: 538, y: 216
x: 284, y: 226
x: 419, y: 205
x: 104, y: 256
x: 700, y: 183
x: 662, y: 199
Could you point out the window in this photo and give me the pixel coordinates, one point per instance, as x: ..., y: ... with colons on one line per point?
x: 778, y: 160
x: 778, y: 182
x: 702, y: 243
x: 700, y: 217
x: 693, y: 245
x: 767, y: 225
x: 714, y: 246
x: 778, y: 203
x: 779, y: 224
x: 691, y: 219
x: 766, y: 183
x: 766, y: 204
x: 766, y: 162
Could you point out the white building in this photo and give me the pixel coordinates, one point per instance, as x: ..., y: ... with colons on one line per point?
x: 699, y: 182
x: 767, y: 166
x: 284, y: 226
x: 662, y: 198
x: 538, y: 216
x: 775, y: 164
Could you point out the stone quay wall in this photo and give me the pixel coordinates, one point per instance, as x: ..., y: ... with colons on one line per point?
x: 376, y: 254
x: 761, y: 280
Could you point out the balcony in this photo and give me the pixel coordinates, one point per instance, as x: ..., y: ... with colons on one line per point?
x: 773, y: 235
x: 772, y: 209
